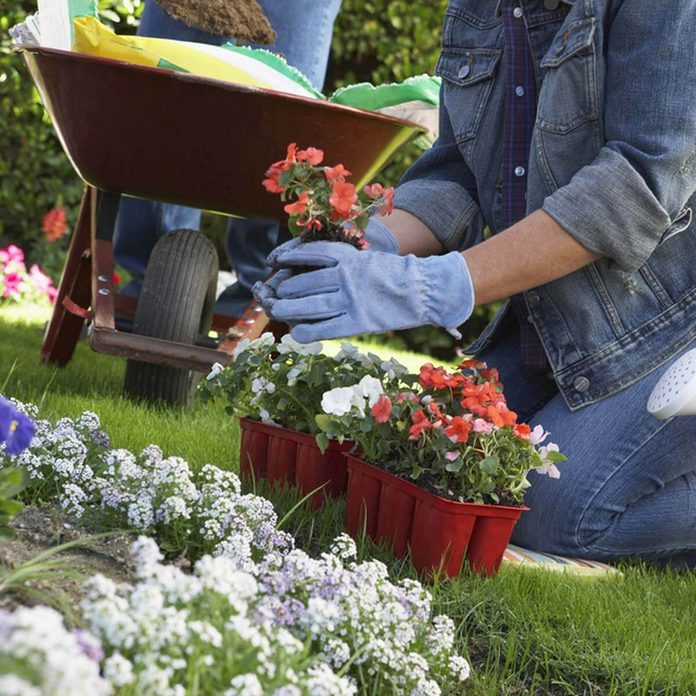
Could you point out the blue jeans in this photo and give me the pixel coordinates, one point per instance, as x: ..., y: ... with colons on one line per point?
x: 628, y: 488
x: 141, y: 223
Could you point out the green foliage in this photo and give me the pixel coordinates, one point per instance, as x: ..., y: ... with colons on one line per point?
x: 284, y: 382
x: 35, y: 174
x: 12, y: 483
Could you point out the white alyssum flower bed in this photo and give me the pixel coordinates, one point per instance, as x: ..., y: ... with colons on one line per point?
x: 256, y: 616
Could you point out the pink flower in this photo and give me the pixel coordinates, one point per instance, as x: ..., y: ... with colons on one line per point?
x: 482, y: 426
x: 11, y: 253
x: 12, y: 282
x: 451, y: 456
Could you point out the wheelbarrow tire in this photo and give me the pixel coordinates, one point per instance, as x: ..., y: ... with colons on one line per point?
x: 176, y: 303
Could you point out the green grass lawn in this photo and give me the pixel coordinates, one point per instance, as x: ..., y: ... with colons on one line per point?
x: 524, y: 631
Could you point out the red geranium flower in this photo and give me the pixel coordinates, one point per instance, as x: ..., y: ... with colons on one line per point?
x: 312, y: 155
x: 337, y: 173
x: 271, y: 182
x: 382, y: 409
x: 388, y: 205
x: 55, y: 224
x: 299, y: 206
x: 458, y: 430
x: 420, y: 424
x: 374, y: 190
x: 343, y: 197
x: 522, y: 430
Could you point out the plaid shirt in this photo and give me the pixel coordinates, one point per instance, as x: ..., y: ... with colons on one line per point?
x: 520, y: 114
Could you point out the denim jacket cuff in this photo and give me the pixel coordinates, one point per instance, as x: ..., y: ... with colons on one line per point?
x: 608, y: 207
x: 444, y: 207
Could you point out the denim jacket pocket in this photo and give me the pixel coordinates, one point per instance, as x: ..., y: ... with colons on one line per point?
x: 467, y: 82
x: 568, y: 96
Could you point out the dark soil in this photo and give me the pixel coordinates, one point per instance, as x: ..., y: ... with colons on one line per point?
x: 242, y: 19
x: 39, y: 529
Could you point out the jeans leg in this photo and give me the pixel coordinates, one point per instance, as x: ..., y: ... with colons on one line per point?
x: 140, y: 223
x: 248, y: 242
x: 628, y: 488
x: 304, y: 29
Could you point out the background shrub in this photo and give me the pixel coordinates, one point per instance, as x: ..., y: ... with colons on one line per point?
x: 374, y: 41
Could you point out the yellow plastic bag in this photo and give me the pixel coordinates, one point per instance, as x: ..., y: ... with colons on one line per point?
x: 228, y: 62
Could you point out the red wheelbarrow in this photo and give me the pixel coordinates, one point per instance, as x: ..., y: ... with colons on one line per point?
x: 158, y: 134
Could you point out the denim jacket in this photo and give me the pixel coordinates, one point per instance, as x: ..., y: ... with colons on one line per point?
x: 613, y: 161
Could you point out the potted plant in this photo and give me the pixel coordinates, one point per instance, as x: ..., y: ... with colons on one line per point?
x: 276, y: 389
x: 324, y: 207
x: 442, y: 469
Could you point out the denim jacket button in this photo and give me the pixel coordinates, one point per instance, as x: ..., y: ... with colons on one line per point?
x: 581, y: 384
x: 533, y: 299
x: 464, y: 71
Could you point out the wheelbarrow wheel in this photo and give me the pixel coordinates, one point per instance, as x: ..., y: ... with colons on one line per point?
x: 176, y: 303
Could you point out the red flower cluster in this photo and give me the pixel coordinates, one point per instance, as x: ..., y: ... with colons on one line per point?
x: 476, y: 396
x: 322, y: 196
x: 55, y: 224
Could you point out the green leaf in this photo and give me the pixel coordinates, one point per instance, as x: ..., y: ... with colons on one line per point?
x: 456, y: 466
x: 323, y: 421
x: 489, y: 464
x: 322, y: 441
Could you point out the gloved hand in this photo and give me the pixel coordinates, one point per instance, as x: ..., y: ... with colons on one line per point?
x: 376, y: 233
x: 355, y: 292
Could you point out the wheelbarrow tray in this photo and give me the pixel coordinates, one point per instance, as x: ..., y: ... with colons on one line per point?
x: 194, y: 141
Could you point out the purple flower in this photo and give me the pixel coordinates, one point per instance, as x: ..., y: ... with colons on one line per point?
x: 89, y: 646
x: 16, y: 429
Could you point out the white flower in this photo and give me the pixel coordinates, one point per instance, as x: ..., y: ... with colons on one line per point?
x: 245, y: 685
x: 548, y: 467
x: 348, y: 350
x: 338, y: 401
x: 538, y: 435
x: 118, y: 670
x: 215, y: 370
x: 371, y: 388
x: 258, y: 385
x: 289, y: 345
x: 393, y: 368
x: 12, y: 685
x: 240, y: 348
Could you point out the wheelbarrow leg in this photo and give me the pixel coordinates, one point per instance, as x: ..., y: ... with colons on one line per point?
x: 64, y: 328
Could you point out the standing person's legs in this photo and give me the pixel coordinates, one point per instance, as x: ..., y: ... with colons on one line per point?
x: 304, y: 29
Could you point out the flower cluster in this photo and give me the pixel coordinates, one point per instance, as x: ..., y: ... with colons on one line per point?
x: 284, y: 383
x: 54, y: 224
x: 39, y: 657
x: 290, y: 627
x: 19, y: 285
x: 326, y: 206
x: 174, y: 633
x: 454, y: 433
x: 257, y: 616
x: 355, y: 617
x: 71, y: 463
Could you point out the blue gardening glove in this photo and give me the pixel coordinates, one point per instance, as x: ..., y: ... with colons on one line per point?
x: 355, y: 292
x: 376, y: 233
